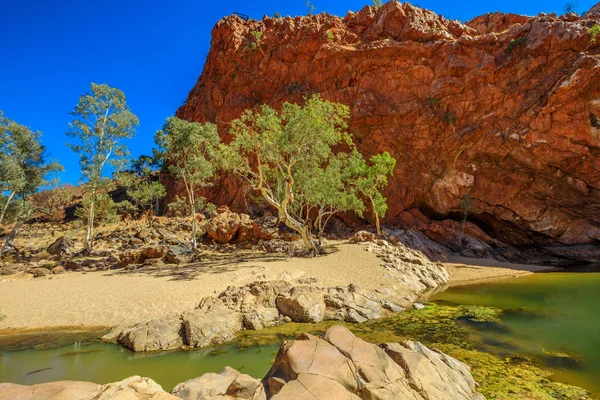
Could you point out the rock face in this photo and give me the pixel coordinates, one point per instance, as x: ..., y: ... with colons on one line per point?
x: 262, y: 304
x: 338, y: 365
x: 504, y: 108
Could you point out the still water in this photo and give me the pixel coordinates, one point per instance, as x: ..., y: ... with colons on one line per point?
x: 103, y: 363
x: 555, y: 317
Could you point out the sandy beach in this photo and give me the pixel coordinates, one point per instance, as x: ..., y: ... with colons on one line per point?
x: 125, y: 297
x: 111, y: 298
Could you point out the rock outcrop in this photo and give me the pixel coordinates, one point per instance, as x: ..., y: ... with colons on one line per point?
x: 336, y: 365
x: 262, y: 304
x: 504, y: 108
x: 339, y: 365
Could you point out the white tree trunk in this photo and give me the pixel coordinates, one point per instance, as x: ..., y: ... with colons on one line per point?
x: 89, y: 233
x: 10, y: 197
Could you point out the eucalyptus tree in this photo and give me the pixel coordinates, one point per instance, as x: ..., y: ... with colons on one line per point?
x: 372, y: 177
x: 274, y: 151
x: 190, y: 152
x: 142, y: 186
x: 329, y: 190
x: 23, y: 171
x: 102, y: 119
x: 23, y: 168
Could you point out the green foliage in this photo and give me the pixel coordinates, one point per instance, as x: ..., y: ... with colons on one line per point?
x: 514, y: 43
x: 274, y: 150
x: 142, y: 186
x: 23, y: 167
x: 101, y: 120
x: 372, y: 178
x: 449, y: 118
x: 256, y: 43
x: 594, y: 32
x: 330, y: 36
x: 105, y: 209
x: 190, y: 152
x: 377, y: 3
x: 329, y: 190
x: 277, y: 14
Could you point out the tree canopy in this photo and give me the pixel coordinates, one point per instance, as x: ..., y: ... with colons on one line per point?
x: 101, y: 120
x: 190, y: 151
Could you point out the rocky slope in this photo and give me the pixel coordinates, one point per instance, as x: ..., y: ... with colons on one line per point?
x: 336, y: 365
x: 504, y: 108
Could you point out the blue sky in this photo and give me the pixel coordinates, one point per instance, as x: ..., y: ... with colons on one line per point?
x: 154, y: 51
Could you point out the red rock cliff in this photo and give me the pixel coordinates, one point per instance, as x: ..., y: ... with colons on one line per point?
x: 505, y: 108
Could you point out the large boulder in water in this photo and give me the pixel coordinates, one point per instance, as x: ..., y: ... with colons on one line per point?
x: 339, y: 365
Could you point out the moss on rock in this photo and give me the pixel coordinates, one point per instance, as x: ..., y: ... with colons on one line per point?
x: 450, y: 329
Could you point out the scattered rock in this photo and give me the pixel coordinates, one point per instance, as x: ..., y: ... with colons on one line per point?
x: 58, y: 270
x: 211, y: 326
x: 39, y: 272
x: 178, y: 254
x: 154, y: 335
x: 61, y: 246
x: 302, y: 304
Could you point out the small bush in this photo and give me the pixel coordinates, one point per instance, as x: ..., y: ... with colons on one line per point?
x: 514, y: 43
x: 329, y: 36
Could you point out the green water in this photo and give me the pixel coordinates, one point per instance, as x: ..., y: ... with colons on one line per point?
x: 554, y: 317
x: 103, y: 363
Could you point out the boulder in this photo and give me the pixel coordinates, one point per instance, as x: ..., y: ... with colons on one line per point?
x: 211, y: 326
x: 61, y: 246
x: 60, y: 390
x: 362, y: 236
x: 58, y: 270
x: 223, y: 225
x: 155, y: 335
x: 228, y: 383
x: 261, y: 318
x: 132, y: 388
x: 138, y: 256
x: 178, y: 254
x: 39, y: 272
x: 302, y: 304
x: 423, y: 365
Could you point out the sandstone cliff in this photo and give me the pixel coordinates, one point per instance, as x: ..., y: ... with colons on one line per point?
x: 505, y: 108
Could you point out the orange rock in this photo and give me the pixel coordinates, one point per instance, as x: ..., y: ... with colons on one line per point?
x: 504, y: 108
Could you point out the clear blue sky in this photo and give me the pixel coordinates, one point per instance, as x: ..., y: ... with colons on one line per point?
x: 153, y: 50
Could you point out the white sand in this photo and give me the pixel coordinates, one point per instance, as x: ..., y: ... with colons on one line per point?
x: 467, y: 271
x: 124, y: 297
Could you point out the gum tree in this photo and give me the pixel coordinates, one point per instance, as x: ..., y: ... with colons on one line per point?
x: 190, y: 152
x: 102, y: 119
x: 330, y: 190
x: 23, y: 171
x: 372, y: 177
x: 142, y: 186
x: 274, y: 151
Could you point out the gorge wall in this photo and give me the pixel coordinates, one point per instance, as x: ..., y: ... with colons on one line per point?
x: 504, y: 108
